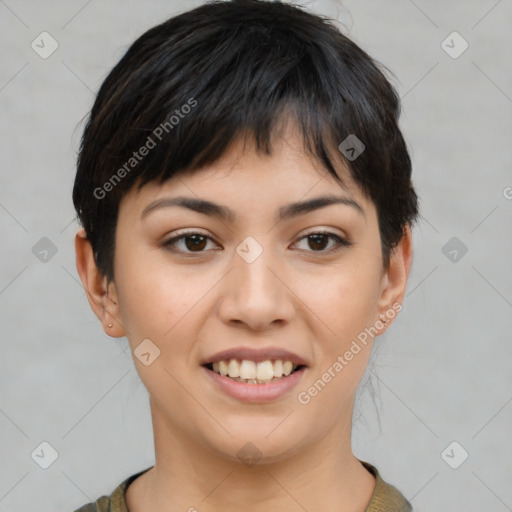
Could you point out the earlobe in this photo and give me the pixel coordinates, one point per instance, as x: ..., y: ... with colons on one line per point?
x: 100, y: 294
x: 395, y: 279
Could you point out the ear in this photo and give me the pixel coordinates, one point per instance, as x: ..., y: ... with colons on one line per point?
x: 394, y: 280
x: 102, y: 296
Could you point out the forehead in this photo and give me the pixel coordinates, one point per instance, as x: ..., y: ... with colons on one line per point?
x: 253, y: 180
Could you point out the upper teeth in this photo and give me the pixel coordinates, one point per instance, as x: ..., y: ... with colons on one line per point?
x: 246, y: 369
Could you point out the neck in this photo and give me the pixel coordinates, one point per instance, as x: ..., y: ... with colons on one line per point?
x: 191, y: 477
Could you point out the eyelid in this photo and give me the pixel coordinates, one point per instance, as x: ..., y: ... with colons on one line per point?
x: 323, y: 231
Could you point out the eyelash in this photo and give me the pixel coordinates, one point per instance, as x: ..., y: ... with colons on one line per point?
x: 341, y: 242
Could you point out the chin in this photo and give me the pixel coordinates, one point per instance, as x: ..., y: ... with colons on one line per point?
x: 264, y: 445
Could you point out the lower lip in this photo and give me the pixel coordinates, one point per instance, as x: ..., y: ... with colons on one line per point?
x: 255, y: 393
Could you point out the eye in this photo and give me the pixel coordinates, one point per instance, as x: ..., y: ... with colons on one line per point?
x: 318, y: 241
x: 196, y: 242
x: 191, y: 241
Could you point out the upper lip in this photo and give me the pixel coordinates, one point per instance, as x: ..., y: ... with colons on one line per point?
x: 256, y: 355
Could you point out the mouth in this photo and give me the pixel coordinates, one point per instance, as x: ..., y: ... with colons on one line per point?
x: 255, y: 375
x: 254, y: 372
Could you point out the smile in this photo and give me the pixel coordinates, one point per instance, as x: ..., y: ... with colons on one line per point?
x: 253, y: 389
x: 252, y: 372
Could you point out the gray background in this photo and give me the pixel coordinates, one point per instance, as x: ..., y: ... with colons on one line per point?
x: 442, y: 371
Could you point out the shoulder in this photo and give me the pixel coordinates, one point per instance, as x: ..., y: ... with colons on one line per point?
x: 385, y: 497
x: 116, y: 502
x: 100, y: 505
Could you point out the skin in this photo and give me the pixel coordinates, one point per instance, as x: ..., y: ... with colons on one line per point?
x: 296, y: 295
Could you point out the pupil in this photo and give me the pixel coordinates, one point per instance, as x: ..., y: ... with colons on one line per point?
x: 198, y: 240
x: 315, y: 240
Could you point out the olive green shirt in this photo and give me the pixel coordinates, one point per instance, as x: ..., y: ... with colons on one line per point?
x: 385, y: 497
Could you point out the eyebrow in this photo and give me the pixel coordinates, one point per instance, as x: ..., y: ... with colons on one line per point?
x: 223, y: 212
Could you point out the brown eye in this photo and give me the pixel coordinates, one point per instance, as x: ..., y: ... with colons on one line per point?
x: 319, y: 241
x: 189, y: 242
x: 195, y: 242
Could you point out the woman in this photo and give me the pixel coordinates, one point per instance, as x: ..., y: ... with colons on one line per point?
x: 246, y: 201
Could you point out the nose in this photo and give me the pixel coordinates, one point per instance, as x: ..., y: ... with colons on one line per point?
x: 256, y: 294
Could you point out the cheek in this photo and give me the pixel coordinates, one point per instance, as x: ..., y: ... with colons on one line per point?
x: 157, y: 299
x: 148, y: 302
x: 345, y: 308
x: 344, y: 297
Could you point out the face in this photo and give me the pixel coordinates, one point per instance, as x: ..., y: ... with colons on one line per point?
x: 253, y: 280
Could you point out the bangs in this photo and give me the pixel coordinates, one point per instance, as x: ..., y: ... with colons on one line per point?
x: 248, y: 80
